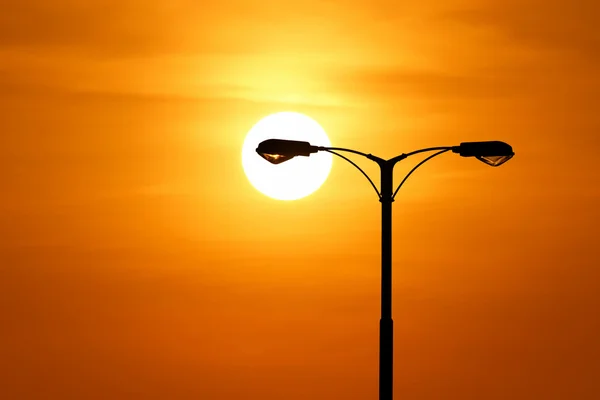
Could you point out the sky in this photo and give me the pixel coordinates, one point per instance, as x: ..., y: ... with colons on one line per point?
x: 137, y: 261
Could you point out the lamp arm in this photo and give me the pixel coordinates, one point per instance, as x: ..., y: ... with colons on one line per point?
x: 405, y: 155
x: 360, y: 153
x: 443, y: 150
x: 330, y: 150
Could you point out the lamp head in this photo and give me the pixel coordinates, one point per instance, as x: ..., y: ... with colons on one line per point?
x: 277, y: 151
x: 492, y: 153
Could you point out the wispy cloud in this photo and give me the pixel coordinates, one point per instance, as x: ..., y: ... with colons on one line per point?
x: 570, y: 28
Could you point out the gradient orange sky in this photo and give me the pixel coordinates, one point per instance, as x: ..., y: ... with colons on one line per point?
x: 137, y: 262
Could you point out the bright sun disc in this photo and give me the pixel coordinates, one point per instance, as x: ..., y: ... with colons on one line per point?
x: 295, y: 178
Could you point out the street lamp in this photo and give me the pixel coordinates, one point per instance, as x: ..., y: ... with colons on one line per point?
x: 493, y: 153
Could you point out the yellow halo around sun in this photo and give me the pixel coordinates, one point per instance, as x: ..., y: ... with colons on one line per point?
x: 295, y: 178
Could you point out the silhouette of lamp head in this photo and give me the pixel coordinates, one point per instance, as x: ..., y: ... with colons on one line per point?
x: 277, y: 151
x: 492, y: 153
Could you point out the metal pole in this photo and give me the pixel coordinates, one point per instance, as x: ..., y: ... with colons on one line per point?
x: 386, y: 324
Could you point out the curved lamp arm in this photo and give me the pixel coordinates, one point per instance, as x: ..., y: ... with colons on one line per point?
x: 442, y: 150
x: 404, y: 155
x: 360, y: 153
x: 380, y: 161
x: 330, y: 150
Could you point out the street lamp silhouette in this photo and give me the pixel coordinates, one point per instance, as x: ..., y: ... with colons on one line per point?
x: 493, y: 153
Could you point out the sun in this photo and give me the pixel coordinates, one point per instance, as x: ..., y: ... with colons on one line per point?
x: 295, y: 178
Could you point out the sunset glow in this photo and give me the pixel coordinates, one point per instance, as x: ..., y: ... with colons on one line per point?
x: 144, y: 254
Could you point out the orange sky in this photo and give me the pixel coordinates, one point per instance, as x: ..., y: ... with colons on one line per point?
x: 137, y: 262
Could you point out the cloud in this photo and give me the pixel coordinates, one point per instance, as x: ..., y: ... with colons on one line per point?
x: 397, y: 83
x: 108, y: 28
x: 310, y: 52
x: 112, y: 28
x: 567, y: 27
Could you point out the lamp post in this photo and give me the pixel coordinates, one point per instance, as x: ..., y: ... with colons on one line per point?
x: 492, y: 153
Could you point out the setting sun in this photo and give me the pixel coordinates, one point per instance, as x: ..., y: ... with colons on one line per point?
x: 297, y: 177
